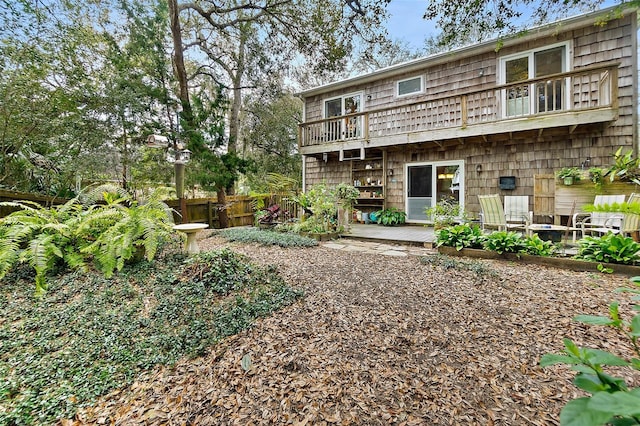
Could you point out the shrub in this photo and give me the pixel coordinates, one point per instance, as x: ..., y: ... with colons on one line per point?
x: 446, y: 212
x: 534, y: 245
x: 71, y: 235
x: 391, y: 217
x: 461, y: 236
x: 321, y: 202
x: 610, y: 248
x: 611, y: 401
x: 505, y: 242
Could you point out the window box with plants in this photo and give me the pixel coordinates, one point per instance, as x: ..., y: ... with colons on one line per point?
x: 569, y: 175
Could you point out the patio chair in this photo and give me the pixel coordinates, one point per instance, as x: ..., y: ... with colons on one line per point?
x: 493, y: 215
x: 629, y: 224
x: 516, y: 209
x: 600, y: 222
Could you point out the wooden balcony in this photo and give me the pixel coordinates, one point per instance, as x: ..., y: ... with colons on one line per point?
x: 567, y: 100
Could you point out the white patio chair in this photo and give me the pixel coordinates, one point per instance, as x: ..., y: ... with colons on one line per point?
x: 516, y: 209
x: 493, y: 216
x: 600, y: 222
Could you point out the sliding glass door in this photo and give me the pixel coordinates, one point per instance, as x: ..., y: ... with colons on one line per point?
x: 430, y: 183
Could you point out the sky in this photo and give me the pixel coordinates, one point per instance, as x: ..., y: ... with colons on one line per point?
x: 406, y: 23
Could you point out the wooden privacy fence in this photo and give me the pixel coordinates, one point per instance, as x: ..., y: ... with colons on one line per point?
x: 240, y: 208
x: 44, y: 200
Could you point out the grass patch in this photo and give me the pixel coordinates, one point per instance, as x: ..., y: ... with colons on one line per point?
x: 89, y: 335
x: 267, y: 237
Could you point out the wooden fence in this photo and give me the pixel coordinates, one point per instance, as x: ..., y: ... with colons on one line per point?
x: 240, y: 208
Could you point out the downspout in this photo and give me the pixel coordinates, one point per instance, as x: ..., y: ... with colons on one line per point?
x: 304, y: 173
x: 304, y: 157
x: 634, y: 26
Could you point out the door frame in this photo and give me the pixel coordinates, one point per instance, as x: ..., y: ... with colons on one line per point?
x: 434, y: 165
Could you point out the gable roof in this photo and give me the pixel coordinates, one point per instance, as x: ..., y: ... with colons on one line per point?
x: 569, y: 24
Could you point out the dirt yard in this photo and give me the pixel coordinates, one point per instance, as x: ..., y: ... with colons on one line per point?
x: 381, y: 340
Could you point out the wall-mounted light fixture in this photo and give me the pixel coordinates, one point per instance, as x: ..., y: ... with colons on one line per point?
x: 390, y: 172
x: 368, y: 97
x: 481, y: 72
x: 325, y: 157
x: 479, y: 168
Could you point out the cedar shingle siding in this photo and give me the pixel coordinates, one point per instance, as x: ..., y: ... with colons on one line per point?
x: 499, y: 152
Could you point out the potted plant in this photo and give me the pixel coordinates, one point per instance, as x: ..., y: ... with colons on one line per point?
x: 346, y: 197
x: 445, y: 213
x: 569, y: 175
x: 391, y: 217
x: 596, y: 175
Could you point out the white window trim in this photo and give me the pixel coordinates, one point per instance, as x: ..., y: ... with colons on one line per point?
x: 501, y: 70
x: 342, y: 97
x: 435, y: 165
x: 397, y: 86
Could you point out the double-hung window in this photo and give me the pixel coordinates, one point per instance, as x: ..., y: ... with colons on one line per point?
x: 542, y: 96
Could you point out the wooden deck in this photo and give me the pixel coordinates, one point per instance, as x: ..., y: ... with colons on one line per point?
x: 408, y: 235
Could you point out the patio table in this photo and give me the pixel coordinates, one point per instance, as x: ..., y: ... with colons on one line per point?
x: 539, y: 227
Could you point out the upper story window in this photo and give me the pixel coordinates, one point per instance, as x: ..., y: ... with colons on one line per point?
x: 343, y: 128
x: 545, y: 96
x: 410, y: 86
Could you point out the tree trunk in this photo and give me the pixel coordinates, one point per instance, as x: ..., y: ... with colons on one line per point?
x: 179, y: 67
x: 222, y: 212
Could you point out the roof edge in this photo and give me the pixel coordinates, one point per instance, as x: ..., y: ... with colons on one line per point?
x: 443, y: 57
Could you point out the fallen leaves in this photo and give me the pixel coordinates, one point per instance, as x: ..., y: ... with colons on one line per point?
x: 380, y: 340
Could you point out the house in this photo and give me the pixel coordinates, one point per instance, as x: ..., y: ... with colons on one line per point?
x: 497, y: 117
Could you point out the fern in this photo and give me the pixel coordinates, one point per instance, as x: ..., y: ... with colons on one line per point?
x: 72, y: 234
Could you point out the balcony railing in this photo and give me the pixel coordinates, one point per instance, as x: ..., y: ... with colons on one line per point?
x: 586, y: 89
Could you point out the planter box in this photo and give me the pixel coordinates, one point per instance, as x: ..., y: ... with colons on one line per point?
x: 325, y: 236
x: 557, y: 262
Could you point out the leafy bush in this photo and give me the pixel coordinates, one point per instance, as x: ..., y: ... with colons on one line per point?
x: 44, y: 238
x: 536, y: 246
x: 321, y: 202
x: 73, y: 234
x: 89, y: 335
x: 267, y: 237
x: 445, y: 212
x: 505, y: 242
x: 391, y: 217
x: 610, y: 248
x: 461, y: 236
x: 611, y: 402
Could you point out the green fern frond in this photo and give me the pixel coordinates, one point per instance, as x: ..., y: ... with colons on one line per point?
x: 9, y: 255
x: 108, y: 192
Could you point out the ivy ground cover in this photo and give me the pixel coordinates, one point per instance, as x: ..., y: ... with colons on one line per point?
x: 88, y: 335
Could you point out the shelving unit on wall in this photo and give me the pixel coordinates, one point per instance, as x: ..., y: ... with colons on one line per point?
x: 368, y: 175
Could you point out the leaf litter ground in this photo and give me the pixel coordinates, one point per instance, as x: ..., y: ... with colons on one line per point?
x: 385, y: 340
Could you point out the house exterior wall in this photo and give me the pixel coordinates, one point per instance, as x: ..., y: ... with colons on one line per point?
x: 522, y: 155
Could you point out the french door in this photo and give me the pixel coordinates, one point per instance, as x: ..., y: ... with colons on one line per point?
x: 430, y: 183
x: 546, y: 96
x: 343, y: 128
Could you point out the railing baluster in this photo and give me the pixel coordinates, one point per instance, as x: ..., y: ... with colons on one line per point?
x: 590, y: 87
